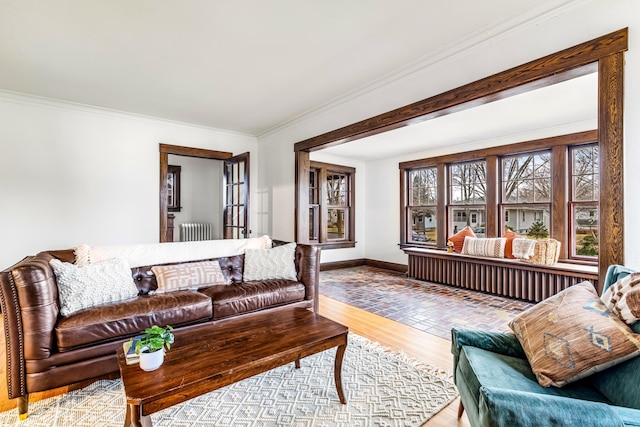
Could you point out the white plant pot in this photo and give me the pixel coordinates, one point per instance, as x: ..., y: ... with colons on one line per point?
x: 151, y: 361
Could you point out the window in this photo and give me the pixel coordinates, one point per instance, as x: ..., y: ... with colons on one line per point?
x: 422, y: 209
x: 526, y: 189
x: 583, y: 205
x: 331, y: 205
x: 314, y: 206
x: 547, y: 185
x: 467, y: 196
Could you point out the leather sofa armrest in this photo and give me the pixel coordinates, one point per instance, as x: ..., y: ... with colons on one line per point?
x: 307, y: 261
x: 501, y: 407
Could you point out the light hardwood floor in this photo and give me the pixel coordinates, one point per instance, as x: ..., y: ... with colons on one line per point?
x: 417, y: 344
x: 427, y: 348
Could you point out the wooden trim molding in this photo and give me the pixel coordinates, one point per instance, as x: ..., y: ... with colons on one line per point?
x: 541, y: 72
x: 606, y: 54
x: 391, y: 266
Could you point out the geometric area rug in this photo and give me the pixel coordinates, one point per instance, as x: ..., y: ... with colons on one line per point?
x: 382, y: 387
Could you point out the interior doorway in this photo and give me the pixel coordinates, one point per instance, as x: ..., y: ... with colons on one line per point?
x: 234, y: 208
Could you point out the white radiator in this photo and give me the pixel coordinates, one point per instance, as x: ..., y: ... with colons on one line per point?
x: 195, y: 231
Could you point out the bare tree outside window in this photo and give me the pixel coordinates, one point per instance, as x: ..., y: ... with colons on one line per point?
x: 468, y: 196
x: 526, y: 190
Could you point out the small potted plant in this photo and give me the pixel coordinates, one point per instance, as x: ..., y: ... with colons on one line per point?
x: 151, y: 346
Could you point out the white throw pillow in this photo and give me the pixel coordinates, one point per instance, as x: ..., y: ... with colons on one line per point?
x: 489, y: 247
x: 623, y: 298
x: 275, y: 263
x: 91, y: 285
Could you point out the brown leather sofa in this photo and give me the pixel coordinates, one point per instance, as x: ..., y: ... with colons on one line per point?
x: 46, y: 350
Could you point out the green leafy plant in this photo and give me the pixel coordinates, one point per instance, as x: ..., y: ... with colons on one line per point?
x: 589, y: 245
x: 154, y: 339
x: 538, y: 231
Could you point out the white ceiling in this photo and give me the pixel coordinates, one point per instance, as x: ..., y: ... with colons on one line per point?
x: 563, y: 108
x: 244, y: 65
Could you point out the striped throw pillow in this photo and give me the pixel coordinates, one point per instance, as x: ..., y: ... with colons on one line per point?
x: 489, y: 247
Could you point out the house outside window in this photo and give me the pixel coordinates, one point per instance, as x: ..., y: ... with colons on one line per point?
x: 422, y: 209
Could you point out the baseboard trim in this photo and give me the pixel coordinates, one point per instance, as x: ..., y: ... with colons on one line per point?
x: 401, y: 268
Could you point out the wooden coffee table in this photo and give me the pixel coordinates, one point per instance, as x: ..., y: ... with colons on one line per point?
x: 208, y: 357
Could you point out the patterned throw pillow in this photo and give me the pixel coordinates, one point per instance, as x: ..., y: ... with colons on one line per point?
x: 623, y: 298
x: 94, y: 284
x: 458, y: 238
x: 489, y: 247
x: 189, y: 275
x: 572, y: 335
x: 275, y: 263
x: 508, y: 246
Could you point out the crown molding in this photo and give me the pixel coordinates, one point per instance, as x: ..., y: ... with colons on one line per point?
x: 41, y: 101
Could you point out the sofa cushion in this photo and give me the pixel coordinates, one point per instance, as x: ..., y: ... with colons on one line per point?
x: 188, y: 275
x: 572, y: 335
x: 101, y: 283
x: 128, y: 318
x: 268, y: 264
x: 488, y: 247
x: 623, y: 298
x: 252, y: 296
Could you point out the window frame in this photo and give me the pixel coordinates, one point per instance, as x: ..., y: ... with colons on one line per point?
x: 408, y: 212
x: 560, y: 218
x: 322, y: 170
x: 455, y: 207
x: 574, y: 203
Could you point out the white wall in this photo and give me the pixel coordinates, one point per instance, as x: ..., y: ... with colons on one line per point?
x: 577, y: 23
x: 72, y: 174
x: 200, y: 193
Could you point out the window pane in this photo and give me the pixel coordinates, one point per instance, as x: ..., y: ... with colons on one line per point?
x: 585, y: 173
x: 313, y: 223
x: 336, y: 189
x: 527, y: 178
x: 521, y: 218
x: 423, y: 225
x: 586, y: 230
x: 467, y: 183
x: 423, y: 190
x: 473, y: 216
x: 336, y: 229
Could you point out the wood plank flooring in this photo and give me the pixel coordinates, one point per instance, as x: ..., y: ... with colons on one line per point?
x: 417, y: 344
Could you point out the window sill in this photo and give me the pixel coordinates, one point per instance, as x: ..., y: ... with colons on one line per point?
x: 335, y: 245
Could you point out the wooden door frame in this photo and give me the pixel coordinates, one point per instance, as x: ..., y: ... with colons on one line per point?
x: 606, y: 52
x: 178, y: 150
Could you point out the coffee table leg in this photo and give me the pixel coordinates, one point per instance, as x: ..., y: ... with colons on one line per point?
x: 337, y: 372
x: 297, y: 363
x: 134, y: 417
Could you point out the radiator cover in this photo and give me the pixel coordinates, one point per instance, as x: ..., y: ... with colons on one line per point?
x: 505, y: 277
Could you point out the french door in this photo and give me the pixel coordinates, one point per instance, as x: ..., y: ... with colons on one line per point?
x: 236, y: 197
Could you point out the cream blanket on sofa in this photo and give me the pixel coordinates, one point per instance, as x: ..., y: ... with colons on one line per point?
x: 163, y: 253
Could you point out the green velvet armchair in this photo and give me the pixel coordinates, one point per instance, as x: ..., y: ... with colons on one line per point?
x: 498, y: 388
